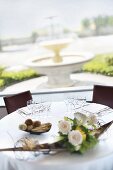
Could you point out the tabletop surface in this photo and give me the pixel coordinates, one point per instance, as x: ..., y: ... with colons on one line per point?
x: 10, y: 133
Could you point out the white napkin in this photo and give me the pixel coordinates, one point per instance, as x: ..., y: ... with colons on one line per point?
x: 105, y: 112
x: 95, y: 108
x: 24, y: 110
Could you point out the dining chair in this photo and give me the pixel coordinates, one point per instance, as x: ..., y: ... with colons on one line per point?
x: 3, y: 111
x: 17, y: 101
x: 103, y: 95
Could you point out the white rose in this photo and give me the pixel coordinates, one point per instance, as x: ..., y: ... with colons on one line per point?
x: 75, y: 137
x: 93, y: 119
x: 64, y: 126
x: 82, y: 118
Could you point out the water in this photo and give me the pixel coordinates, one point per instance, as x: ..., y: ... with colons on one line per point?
x: 66, y: 60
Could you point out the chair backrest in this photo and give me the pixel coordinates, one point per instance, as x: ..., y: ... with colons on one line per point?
x: 17, y: 101
x: 103, y: 95
x: 3, y: 111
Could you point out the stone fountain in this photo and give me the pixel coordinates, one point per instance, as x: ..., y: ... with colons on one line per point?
x: 59, y: 67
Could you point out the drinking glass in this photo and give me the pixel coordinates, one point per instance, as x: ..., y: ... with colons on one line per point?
x: 81, y: 101
x: 39, y: 109
x: 43, y: 111
x: 25, y: 155
x: 75, y: 103
x: 71, y: 106
x: 31, y: 105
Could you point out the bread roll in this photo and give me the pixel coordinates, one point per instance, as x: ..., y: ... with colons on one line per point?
x: 28, y: 122
x: 36, y: 123
x: 23, y: 126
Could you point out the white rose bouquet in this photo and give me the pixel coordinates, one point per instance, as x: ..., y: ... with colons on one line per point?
x: 75, y: 136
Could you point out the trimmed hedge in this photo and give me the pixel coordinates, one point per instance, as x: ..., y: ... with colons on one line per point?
x: 109, y: 60
x: 100, y: 64
x: 8, y: 78
x: 1, y: 69
x: 2, y: 83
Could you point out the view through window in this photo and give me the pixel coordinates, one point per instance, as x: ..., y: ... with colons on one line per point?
x: 43, y: 41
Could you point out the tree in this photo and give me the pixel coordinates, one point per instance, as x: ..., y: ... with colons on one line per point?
x: 98, y: 24
x: 0, y: 46
x: 110, y: 20
x: 34, y: 36
x: 86, y: 23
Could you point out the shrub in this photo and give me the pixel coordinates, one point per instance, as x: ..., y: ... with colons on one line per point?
x: 99, y: 65
x: 109, y: 60
x: 2, y: 83
x: 1, y: 70
x: 14, y: 77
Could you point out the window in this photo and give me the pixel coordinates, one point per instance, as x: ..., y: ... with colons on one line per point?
x: 25, y: 24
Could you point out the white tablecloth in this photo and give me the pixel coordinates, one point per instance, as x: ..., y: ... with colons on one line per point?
x: 99, y: 158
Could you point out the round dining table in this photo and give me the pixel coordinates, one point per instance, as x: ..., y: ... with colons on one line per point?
x: 98, y: 158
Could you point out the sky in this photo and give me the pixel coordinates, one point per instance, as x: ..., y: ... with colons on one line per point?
x: 21, y: 17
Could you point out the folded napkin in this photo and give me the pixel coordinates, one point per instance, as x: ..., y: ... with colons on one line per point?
x: 95, y: 108
x: 24, y: 110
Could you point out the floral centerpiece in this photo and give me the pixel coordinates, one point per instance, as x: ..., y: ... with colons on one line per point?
x: 78, y: 134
